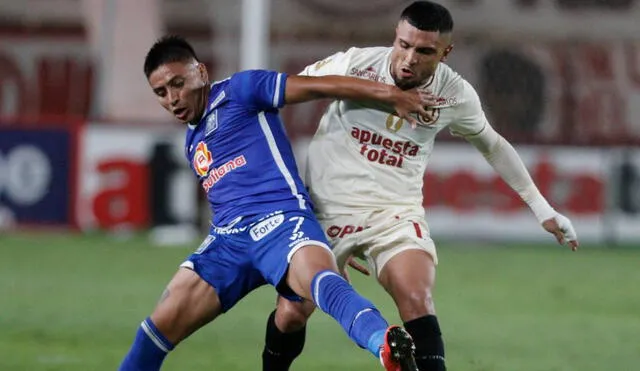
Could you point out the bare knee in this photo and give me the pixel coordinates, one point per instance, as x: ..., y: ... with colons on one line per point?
x: 414, y: 303
x: 409, y: 278
x: 292, y: 316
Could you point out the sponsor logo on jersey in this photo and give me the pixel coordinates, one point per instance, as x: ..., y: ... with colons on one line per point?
x: 340, y: 231
x: 446, y: 102
x: 392, y: 153
x: 368, y: 73
x: 298, y: 241
x: 202, y: 159
x: 230, y: 228
x: 221, y: 171
x: 263, y: 228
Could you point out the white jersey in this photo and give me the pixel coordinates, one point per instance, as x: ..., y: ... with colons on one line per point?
x: 363, y: 157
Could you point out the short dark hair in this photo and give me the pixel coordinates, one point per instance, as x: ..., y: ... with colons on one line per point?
x: 428, y: 16
x: 168, y: 49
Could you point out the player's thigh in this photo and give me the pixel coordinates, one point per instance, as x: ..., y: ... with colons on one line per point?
x: 390, y: 235
x: 305, y: 265
x: 404, y: 259
x: 187, y: 304
x: 293, y: 315
x: 224, y: 262
x: 291, y: 252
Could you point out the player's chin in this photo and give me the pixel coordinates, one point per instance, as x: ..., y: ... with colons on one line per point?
x: 181, y: 120
x: 406, y: 84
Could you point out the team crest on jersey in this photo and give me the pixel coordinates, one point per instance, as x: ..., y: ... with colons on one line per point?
x: 431, y: 118
x: 202, y: 159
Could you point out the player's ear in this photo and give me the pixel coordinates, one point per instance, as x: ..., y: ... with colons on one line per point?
x: 447, y: 50
x: 204, y: 75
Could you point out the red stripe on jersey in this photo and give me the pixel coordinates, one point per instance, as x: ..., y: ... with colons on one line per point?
x: 418, y: 231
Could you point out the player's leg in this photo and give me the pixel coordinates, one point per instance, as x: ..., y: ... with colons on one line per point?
x: 211, y: 281
x: 297, y: 260
x: 286, y: 331
x: 313, y: 274
x: 404, y: 257
x: 187, y: 304
x: 409, y: 278
x: 285, y: 335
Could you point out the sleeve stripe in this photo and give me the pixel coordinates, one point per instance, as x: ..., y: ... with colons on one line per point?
x: 276, y: 93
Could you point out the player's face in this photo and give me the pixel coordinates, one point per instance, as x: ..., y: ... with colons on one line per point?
x: 416, y: 54
x: 181, y: 88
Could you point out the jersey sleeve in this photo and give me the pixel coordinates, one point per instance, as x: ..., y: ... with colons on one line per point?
x: 336, y: 64
x: 259, y: 89
x: 470, y: 118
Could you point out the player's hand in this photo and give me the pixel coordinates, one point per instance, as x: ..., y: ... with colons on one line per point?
x: 560, y: 226
x: 355, y: 265
x: 414, y: 101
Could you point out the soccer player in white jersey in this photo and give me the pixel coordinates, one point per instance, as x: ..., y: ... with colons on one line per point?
x: 365, y: 175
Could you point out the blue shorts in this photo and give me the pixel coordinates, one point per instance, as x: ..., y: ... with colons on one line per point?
x: 251, y: 252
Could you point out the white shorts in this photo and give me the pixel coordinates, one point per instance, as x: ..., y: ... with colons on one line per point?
x: 377, y: 236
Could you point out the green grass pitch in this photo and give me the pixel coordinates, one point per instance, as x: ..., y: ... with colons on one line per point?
x: 70, y: 302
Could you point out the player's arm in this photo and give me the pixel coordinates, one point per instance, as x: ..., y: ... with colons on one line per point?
x: 501, y: 155
x: 327, y: 79
x: 330, y: 69
x: 264, y: 90
x: 306, y: 88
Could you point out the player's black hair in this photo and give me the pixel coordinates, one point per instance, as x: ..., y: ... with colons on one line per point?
x: 168, y: 49
x: 428, y: 16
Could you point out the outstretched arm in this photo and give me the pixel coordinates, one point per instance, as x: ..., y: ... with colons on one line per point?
x: 305, y: 88
x: 501, y: 155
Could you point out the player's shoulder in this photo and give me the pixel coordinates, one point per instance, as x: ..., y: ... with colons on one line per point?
x: 247, y: 78
x: 449, y: 80
x: 453, y: 85
x: 367, y: 55
x: 369, y: 63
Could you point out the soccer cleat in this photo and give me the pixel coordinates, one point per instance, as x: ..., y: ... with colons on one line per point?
x: 397, y: 352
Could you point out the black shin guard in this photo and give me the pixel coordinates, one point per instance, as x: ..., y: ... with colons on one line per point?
x: 280, y: 348
x: 426, y: 334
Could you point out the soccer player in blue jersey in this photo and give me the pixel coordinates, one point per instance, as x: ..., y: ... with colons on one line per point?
x: 263, y: 228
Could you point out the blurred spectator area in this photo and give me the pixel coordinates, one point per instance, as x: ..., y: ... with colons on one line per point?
x: 547, y: 71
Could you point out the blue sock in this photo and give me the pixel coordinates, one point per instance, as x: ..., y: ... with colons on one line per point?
x: 357, y: 316
x: 148, y: 350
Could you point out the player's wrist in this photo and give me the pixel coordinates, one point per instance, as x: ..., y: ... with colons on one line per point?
x: 539, y: 205
x: 392, y: 94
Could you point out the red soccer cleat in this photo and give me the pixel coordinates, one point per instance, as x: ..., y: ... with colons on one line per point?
x: 397, y: 352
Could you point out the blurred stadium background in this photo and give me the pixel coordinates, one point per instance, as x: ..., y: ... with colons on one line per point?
x: 97, y: 207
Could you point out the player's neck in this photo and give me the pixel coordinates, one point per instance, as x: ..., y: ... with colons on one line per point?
x: 202, y: 106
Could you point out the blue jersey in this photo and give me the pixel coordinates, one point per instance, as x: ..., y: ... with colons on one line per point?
x: 239, y: 150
